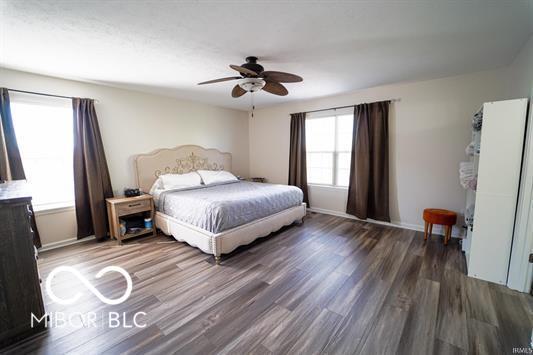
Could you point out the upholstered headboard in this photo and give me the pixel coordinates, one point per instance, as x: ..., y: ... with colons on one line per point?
x: 179, y: 160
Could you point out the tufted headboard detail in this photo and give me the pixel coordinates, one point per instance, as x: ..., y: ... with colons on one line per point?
x: 179, y: 160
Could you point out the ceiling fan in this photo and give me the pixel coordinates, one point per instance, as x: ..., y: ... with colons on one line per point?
x: 254, y: 78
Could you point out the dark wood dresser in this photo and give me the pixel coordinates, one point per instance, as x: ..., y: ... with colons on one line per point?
x: 20, y: 290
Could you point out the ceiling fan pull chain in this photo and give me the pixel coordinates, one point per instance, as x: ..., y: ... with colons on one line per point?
x: 253, y: 106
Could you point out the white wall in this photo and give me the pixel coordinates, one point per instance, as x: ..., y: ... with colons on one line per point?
x: 520, y: 72
x: 429, y: 129
x: 132, y: 123
x: 57, y: 226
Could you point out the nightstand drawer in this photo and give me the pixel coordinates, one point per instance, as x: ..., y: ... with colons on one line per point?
x: 134, y: 207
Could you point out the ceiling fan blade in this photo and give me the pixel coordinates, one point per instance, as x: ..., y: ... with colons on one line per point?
x: 281, y: 77
x: 243, y: 70
x: 237, y: 91
x: 220, y: 80
x: 275, y: 88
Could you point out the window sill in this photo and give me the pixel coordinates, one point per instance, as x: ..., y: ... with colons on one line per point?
x: 53, y: 208
x: 329, y: 186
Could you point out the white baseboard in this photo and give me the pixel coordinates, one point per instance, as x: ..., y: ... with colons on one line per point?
x: 64, y: 243
x: 456, y: 232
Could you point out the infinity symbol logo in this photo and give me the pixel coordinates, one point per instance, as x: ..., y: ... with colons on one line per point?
x: 87, y: 284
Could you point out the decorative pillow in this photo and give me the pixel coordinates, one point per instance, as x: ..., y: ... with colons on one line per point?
x: 174, y: 181
x: 211, y: 177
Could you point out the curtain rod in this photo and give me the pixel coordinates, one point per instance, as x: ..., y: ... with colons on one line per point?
x: 43, y: 94
x: 348, y: 106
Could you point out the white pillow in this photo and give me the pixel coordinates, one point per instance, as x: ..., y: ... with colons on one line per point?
x: 175, y: 181
x: 158, y: 185
x: 211, y: 177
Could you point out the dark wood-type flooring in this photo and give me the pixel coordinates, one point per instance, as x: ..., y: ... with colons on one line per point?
x: 330, y: 286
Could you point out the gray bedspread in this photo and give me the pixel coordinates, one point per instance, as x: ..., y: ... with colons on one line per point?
x: 222, y: 207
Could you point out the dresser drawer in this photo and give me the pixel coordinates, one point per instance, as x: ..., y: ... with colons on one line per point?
x: 133, y: 207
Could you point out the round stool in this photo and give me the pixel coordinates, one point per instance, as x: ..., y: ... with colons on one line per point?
x: 439, y: 216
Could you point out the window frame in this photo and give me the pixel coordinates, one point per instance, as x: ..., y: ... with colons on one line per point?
x: 335, y: 153
x: 29, y: 99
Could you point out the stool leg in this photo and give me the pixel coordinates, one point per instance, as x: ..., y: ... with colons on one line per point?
x: 430, y: 229
x: 447, y: 234
x: 425, y: 230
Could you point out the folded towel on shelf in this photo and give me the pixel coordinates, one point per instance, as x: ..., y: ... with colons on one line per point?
x: 470, y: 149
x: 467, y: 175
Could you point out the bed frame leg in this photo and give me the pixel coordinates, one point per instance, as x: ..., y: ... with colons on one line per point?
x: 217, y: 259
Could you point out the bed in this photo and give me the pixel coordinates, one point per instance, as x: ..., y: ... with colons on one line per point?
x: 216, y: 219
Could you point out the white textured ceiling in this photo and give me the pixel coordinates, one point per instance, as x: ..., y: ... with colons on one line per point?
x: 166, y: 47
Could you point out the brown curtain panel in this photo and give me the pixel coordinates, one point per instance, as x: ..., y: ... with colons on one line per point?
x: 11, y: 168
x: 10, y: 161
x: 297, y: 154
x: 368, y: 191
x: 92, y: 184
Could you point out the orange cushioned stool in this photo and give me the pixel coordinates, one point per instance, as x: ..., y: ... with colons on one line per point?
x: 438, y: 216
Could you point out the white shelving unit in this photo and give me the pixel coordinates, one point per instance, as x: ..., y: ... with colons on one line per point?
x: 488, y: 241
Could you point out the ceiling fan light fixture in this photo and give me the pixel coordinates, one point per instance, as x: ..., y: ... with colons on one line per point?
x: 252, y: 84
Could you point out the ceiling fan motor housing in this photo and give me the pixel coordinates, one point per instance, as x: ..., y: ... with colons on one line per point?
x: 251, y: 63
x: 252, y: 84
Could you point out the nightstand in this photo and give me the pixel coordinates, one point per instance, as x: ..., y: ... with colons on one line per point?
x: 126, y: 206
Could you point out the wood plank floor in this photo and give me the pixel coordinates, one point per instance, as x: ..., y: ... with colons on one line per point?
x: 330, y: 286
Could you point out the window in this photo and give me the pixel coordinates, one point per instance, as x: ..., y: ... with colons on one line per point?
x: 44, y: 131
x: 329, y: 146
